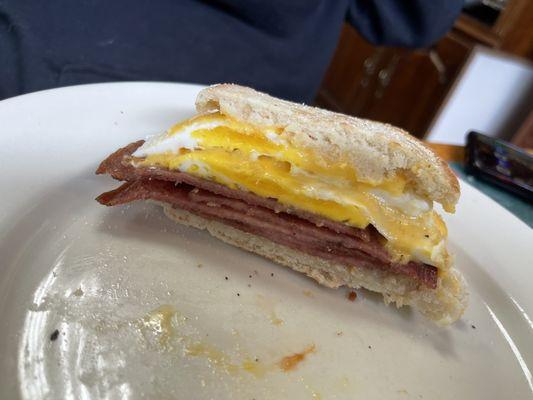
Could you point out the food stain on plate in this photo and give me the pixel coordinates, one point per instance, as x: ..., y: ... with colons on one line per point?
x: 269, y: 307
x: 163, y: 328
x: 290, y: 362
x: 159, y: 323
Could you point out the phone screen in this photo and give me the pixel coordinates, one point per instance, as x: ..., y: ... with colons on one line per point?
x: 501, y: 163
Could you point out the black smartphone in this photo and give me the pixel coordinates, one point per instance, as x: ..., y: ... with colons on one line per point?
x: 501, y: 163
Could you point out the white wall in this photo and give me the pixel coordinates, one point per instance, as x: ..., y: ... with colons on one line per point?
x: 493, y: 95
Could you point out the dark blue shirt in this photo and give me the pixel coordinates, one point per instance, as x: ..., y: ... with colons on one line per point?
x: 279, y: 46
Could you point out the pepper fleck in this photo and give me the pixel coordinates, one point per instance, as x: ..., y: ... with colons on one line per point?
x: 54, y: 335
x: 238, y: 294
x: 226, y: 278
x: 473, y: 327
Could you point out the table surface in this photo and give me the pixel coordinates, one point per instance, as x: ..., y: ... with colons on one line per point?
x: 454, y: 155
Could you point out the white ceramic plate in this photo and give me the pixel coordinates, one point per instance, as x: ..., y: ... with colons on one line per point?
x: 143, y: 309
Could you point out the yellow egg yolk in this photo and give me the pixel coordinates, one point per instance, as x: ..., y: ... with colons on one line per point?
x: 263, y: 161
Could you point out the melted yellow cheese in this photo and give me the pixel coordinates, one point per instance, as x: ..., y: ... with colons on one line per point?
x: 262, y: 161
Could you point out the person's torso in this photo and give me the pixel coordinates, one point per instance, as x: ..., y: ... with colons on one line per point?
x: 282, y: 47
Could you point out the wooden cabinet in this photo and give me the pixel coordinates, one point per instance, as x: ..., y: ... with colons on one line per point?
x: 398, y: 86
x: 406, y: 87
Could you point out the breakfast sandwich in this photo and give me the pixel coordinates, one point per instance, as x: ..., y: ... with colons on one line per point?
x: 346, y: 201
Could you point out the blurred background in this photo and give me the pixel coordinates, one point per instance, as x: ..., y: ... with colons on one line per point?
x: 436, y: 68
x: 479, y: 76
